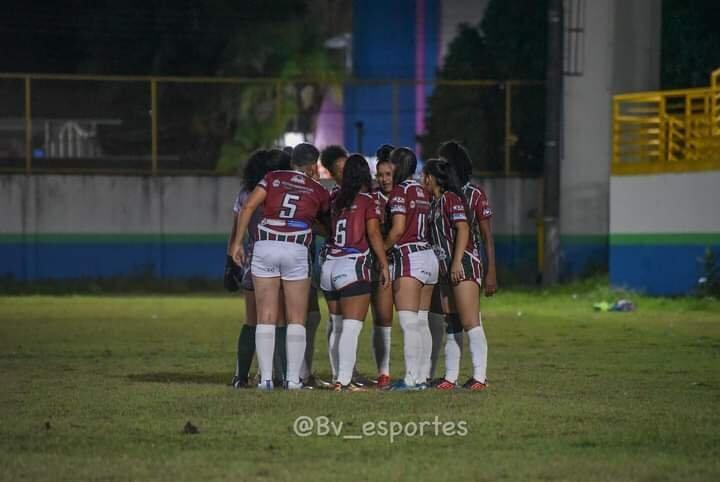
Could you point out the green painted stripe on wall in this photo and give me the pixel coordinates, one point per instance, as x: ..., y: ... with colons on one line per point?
x: 119, y: 238
x: 655, y: 239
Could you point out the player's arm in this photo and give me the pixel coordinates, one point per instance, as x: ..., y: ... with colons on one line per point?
x: 462, y: 237
x: 396, y: 231
x: 257, y: 197
x: 376, y: 243
x: 489, y: 244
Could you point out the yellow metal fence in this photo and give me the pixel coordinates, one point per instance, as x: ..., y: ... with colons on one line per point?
x: 667, y: 131
x: 53, y: 123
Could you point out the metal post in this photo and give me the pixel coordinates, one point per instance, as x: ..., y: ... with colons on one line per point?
x: 28, y: 126
x: 154, y: 125
x: 395, y: 114
x: 508, y: 126
x: 359, y: 131
x: 553, y: 126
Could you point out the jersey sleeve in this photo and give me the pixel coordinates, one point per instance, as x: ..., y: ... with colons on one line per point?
x: 265, y: 181
x: 372, y: 209
x: 455, y: 209
x: 482, y: 207
x: 397, y: 202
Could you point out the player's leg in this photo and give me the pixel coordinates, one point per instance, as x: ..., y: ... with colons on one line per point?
x: 436, y: 319
x: 334, y: 326
x: 406, y: 292
x: 267, y: 297
x: 280, y: 357
x: 311, y: 326
x: 426, y: 342
x: 246, y: 343
x: 453, y: 341
x: 354, y: 303
x: 382, y: 310
x: 296, y: 301
x: 467, y: 296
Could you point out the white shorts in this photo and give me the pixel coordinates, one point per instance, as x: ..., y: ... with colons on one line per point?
x: 342, y: 271
x: 421, y: 265
x: 272, y: 259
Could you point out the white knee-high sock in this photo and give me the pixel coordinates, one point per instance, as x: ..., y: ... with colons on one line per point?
x: 333, y: 339
x: 347, y: 349
x: 311, y: 326
x: 295, y: 351
x: 411, y: 345
x: 478, y: 352
x: 382, y: 336
x: 453, y: 349
x: 437, y: 331
x: 426, y: 343
x: 265, y: 349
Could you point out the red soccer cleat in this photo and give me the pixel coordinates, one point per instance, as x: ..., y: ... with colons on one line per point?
x: 446, y: 385
x: 474, y: 385
x: 383, y: 381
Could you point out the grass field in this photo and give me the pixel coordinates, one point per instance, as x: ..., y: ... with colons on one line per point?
x: 99, y: 388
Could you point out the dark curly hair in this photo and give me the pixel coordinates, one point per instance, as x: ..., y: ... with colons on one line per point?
x: 383, y: 153
x: 330, y: 154
x: 445, y: 175
x: 456, y: 154
x: 278, y: 160
x: 304, y: 154
x: 255, y: 169
x: 405, y: 162
x: 355, y: 178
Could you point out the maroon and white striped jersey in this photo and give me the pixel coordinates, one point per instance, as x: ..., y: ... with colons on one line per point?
x: 412, y: 200
x: 349, y: 233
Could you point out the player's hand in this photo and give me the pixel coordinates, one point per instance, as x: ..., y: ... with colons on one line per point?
x: 384, y: 276
x: 230, y: 280
x: 490, y: 283
x: 456, y: 272
x: 238, y: 254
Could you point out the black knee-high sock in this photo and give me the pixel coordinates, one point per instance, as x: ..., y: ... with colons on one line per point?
x: 245, y: 351
x: 280, y: 356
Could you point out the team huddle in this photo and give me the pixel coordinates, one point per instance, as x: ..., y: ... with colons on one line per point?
x: 392, y: 243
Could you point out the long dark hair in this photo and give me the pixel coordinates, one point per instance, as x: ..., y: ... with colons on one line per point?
x: 445, y: 175
x: 356, y: 176
x: 255, y: 169
x: 278, y: 160
x: 405, y: 163
x: 456, y: 154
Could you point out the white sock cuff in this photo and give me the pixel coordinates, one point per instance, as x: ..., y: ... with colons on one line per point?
x: 349, y: 324
x: 407, y: 318
x: 295, y: 329
x: 424, y: 315
x: 263, y: 329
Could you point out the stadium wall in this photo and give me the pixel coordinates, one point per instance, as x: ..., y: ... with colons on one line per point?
x: 660, y: 228
x: 93, y: 226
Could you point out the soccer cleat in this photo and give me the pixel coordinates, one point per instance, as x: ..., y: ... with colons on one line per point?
x: 474, y: 385
x: 446, y: 385
x: 239, y: 382
x: 266, y: 385
x: 421, y: 386
x: 350, y: 387
x: 435, y: 382
x: 401, y: 386
x: 383, y: 381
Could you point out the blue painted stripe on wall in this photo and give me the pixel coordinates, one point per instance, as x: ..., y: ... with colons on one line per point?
x: 657, y: 270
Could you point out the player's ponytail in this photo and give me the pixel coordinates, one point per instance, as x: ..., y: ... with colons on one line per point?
x: 445, y: 175
x: 405, y: 163
x: 356, y: 177
x: 459, y: 158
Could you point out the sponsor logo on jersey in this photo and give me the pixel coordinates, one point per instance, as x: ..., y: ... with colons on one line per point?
x: 487, y: 212
x: 276, y: 183
x: 298, y: 179
x: 412, y: 204
x: 420, y: 192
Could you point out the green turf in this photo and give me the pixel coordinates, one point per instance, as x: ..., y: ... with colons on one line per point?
x: 574, y: 395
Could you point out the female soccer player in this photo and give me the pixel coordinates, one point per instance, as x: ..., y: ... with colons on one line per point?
x: 381, y: 297
x: 479, y: 213
x: 415, y: 267
x: 333, y: 158
x: 260, y: 163
x: 346, y: 273
x: 292, y: 200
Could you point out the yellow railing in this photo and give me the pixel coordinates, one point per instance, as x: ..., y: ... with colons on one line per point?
x: 667, y: 131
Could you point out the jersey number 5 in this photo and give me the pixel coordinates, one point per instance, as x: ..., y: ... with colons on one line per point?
x: 340, y: 232
x: 289, y: 206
